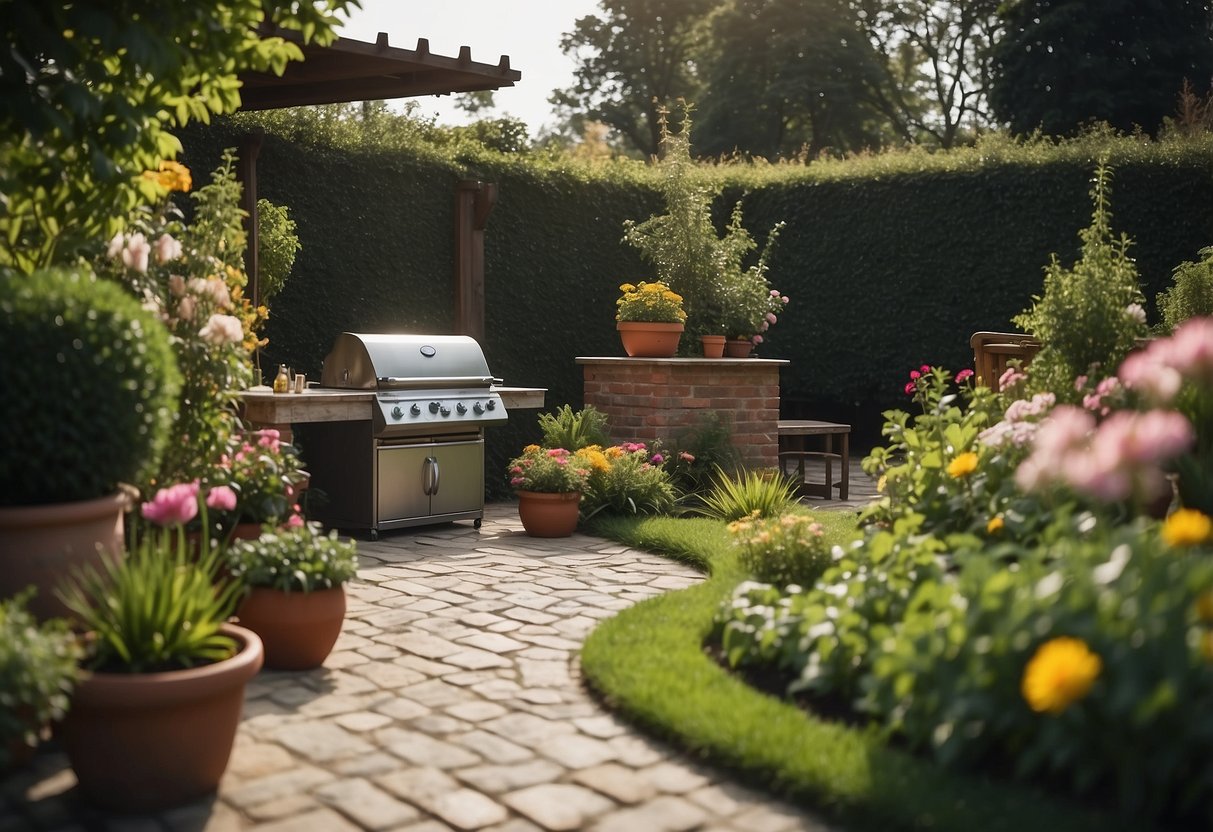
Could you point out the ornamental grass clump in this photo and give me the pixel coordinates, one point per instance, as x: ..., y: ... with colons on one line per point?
x: 733, y: 497
x: 650, y: 302
x: 789, y: 550
x: 548, y: 470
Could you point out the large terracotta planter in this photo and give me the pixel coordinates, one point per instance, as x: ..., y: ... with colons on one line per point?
x: 646, y: 339
x: 297, y: 629
x: 549, y: 515
x: 143, y: 742
x: 713, y: 345
x: 41, y: 545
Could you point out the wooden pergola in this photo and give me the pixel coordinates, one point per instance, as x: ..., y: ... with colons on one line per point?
x: 352, y: 70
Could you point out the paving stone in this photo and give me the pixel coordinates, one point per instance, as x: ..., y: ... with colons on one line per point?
x: 401, y: 708
x: 437, y: 724
x: 363, y: 721
x: 491, y: 747
x: 527, y: 729
x: 663, y: 814
x: 477, y: 660
x: 476, y: 711
x: 515, y: 825
x: 496, y: 689
x: 337, y: 683
x: 319, y: 820
x: 428, y: 646
x: 440, y: 795
x: 422, y: 749
x: 434, y: 693
x: 505, y: 626
x: 255, y: 759
x: 493, y: 642
x: 545, y: 654
x: 424, y: 666
x: 468, y: 678
x: 365, y: 804
x: 673, y: 778
x: 387, y: 675
x: 602, y: 727
x: 540, y: 696
x: 274, y: 786
x: 282, y: 807
x: 558, y: 806
x: 528, y: 615
x: 616, y: 781
x: 321, y: 741
x: 575, y: 751
x: 634, y: 751
x: 367, y: 765
x: 496, y: 779
x: 721, y: 800
x: 536, y: 674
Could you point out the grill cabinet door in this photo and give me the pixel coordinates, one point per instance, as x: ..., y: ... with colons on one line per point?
x: 402, y: 477
x: 460, y: 478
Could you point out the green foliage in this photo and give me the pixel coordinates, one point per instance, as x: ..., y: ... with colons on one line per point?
x: 266, y: 475
x: 549, y: 470
x: 626, y: 479
x: 1084, y: 320
x: 302, y: 559
x: 90, y: 387
x: 159, y: 608
x: 573, y: 430
x: 686, y: 252
x: 697, y: 451
x: 734, y: 496
x: 91, y: 90
x: 1191, y: 294
x: 277, y: 245
x: 1061, y: 65
x: 38, y: 669
x: 785, y: 550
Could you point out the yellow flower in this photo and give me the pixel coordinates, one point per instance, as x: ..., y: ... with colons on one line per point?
x: 963, y: 465
x: 613, y: 452
x: 530, y: 449
x: 1060, y: 673
x: 627, y: 287
x: 1187, y: 527
x: 995, y: 525
x: 595, y: 458
x: 881, y: 483
x: 172, y: 176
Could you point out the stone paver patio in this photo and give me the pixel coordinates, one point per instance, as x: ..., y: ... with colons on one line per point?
x: 453, y: 700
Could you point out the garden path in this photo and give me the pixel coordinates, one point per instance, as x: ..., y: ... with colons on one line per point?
x: 453, y: 700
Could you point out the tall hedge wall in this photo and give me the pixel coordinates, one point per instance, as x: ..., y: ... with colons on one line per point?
x: 891, y: 261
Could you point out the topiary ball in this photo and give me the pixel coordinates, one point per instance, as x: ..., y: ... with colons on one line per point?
x: 90, y: 385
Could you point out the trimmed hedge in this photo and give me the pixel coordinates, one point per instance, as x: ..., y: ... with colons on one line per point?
x: 891, y: 261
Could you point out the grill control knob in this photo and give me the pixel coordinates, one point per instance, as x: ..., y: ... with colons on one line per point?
x: 434, y: 407
x: 461, y: 408
x: 478, y: 408
x: 446, y: 411
x: 397, y: 412
x: 491, y: 404
x: 415, y: 409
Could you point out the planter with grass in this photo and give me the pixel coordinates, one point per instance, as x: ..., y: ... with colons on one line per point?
x: 295, y: 593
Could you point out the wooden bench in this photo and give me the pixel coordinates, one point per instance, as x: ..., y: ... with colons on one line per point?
x: 792, y: 438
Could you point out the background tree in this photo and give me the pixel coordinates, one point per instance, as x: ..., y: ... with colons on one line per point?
x: 782, y: 75
x: 632, y: 60
x: 936, y: 55
x: 1063, y: 63
x: 90, y: 89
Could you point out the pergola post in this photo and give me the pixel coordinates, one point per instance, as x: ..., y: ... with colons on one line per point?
x: 474, y: 202
x: 246, y: 172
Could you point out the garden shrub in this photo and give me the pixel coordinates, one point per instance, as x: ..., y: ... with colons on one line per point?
x: 1191, y: 292
x: 699, y: 450
x: 626, y: 479
x: 785, y: 550
x: 573, y: 430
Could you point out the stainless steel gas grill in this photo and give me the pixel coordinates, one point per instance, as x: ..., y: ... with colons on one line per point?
x: 418, y: 456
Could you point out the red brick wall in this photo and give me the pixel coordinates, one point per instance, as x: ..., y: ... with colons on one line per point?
x: 654, y: 398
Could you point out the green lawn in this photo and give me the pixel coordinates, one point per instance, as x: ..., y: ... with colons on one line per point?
x: 648, y: 663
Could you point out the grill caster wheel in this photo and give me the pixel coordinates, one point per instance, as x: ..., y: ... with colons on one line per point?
x: 374, y: 534
x: 476, y: 523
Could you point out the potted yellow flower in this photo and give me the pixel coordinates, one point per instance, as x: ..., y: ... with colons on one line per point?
x: 650, y: 319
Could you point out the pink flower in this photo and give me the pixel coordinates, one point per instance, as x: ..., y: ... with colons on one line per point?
x: 222, y: 329
x: 172, y: 506
x: 771, y: 318
x: 914, y: 374
x: 294, y: 521
x: 657, y: 459
x: 1010, y: 378
x: 221, y: 497
x: 176, y: 285
x: 167, y: 249
x: 269, y: 438
x: 774, y: 293
x: 185, y: 309
x: 964, y: 375
x: 686, y: 456
x: 1149, y: 372
x: 1080, y: 383
x: 135, y: 252
x: 114, y: 250
x: 911, y: 388
x: 926, y: 368
x: 1191, y: 350
x: 757, y: 339
x: 784, y: 300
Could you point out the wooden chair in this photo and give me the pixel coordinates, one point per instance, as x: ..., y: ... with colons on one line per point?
x: 992, y: 351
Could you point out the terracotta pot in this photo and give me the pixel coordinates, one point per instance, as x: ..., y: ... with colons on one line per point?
x: 645, y: 339
x: 549, y: 515
x: 298, y: 629
x: 738, y: 348
x: 40, y: 545
x: 143, y: 742
x: 713, y: 345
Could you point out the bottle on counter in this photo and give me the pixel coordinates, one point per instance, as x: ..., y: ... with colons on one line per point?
x: 282, y: 382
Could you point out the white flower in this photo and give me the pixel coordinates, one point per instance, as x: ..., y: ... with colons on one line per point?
x: 135, y: 253
x: 1134, y: 312
x: 185, y: 309
x: 167, y: 249
x: 115, y: 247
x: 222, y: 329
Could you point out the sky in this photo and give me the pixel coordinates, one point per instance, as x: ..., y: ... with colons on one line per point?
x: 529, y: 31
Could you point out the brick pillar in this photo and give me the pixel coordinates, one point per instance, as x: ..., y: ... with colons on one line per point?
x: 655, y: 398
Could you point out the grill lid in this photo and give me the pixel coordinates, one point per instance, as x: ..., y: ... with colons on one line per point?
x: 361, y: 361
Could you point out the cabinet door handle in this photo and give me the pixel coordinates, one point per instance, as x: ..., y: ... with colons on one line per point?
x: 432, y: 475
